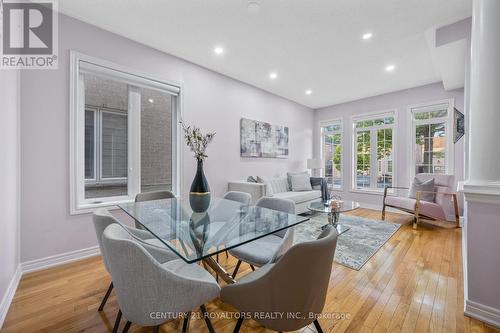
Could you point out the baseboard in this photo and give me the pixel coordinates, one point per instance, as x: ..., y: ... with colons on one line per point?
x: 59, y: 259
x: 483, y: 313
x: 9, y: 294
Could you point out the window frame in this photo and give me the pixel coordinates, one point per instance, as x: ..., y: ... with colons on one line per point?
x: 94, y: 111
x: 449, y: 149
x: 324, y: 123
x: 77, y: 107
x: 373, y: 154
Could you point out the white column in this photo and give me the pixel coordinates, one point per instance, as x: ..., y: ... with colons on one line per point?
x: 482, y: 189
x: 484, y: 148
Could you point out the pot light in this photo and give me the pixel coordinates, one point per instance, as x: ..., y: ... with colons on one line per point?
x: 273, y: 75
x: 218, y: 50
x: 308, y: 92
x: 367, y: 35
x: 390, y: 68
x: 150, y: 100
x: 253, y: 6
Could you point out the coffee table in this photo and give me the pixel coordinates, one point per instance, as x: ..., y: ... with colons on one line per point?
x: 333, y: 215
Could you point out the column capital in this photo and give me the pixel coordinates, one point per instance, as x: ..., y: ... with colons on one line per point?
x: 482, y: 192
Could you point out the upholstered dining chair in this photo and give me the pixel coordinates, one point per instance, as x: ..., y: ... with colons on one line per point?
x: 145, y: 286
x: 241, y: 197
x: 102, y: 219
x: 268, y: 248
x: 153, y: 195
x: 444, y: 206
x: 296, y: 284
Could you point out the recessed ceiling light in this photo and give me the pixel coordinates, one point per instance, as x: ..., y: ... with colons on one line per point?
x: 367, y: 35
x: 253, y: 6
x: 218, y: 50
x: 151, y: 100
x: 390, y: 68
x: 273, y: 75
x: 308, y: 92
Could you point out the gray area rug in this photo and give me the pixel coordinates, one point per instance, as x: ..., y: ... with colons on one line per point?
x: 358, y: 244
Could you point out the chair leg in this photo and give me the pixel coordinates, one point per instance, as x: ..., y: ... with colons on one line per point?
x: 238, y: 325
x: 253, y: 268
x: 185, y: 324
x: 156, y: 329
x: 236, y: 268
x: 117, y: 321
x: 127, y: 326
x: 318, y: 326
x: 105, y: 299
x: 227, y: 255
x: 383, y: 212
x: 207, y: 319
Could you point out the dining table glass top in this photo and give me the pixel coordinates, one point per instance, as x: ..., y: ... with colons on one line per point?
x: 195, y: 236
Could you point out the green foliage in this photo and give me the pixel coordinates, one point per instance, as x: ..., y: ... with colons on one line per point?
x: 197, y: 141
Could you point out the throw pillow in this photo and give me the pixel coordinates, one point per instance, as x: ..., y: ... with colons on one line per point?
x: 274, y: 185
x: 427, y: 187
x: 301, y: 182
x: 290, y: 174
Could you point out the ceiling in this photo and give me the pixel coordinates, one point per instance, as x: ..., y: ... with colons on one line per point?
x: 310, y: 44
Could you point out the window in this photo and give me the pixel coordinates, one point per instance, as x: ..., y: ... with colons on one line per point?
x: 331, y: 142
x: 373, y: 152
x: 124, y: 134
x: 430, y: 138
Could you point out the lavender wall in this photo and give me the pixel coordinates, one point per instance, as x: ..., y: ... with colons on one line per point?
x: 210, y: 100
x: 9, y: 181
x: 399, y: 101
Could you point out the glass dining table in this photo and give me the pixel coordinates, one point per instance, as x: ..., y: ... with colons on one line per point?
x: 198, y: 237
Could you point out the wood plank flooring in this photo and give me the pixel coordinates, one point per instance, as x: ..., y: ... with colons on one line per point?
x: 413, y: 284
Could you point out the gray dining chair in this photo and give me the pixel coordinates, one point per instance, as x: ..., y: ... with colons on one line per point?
x: 153, y: 195
x: 102, y: 218
x: 241, y: 197
x: 296, y: 284
x: 269, y: 248
x: 145, y: 286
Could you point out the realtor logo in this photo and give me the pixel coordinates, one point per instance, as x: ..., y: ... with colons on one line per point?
x: 29, y: 34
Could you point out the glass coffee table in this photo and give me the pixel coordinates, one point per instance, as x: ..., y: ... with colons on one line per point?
x: 333, y: 215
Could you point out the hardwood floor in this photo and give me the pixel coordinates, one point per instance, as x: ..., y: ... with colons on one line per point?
x: 413, y: 284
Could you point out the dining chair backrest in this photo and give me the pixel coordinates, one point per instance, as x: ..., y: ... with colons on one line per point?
x: 156, y: 195
x: 102, y: 218
x: 296, y: 284
x: 282, y: 205
x: 241, y: 197
x: 143, y: 286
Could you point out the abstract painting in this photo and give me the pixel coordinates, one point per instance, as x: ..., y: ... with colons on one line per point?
x: 260, y: 139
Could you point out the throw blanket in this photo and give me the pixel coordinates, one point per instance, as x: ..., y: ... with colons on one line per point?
x: 321, y: 181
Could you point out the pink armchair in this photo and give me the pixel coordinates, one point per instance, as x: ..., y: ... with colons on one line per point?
x: 444, y: 207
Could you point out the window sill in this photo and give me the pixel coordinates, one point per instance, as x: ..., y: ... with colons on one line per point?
x: 336, y: 189
x: 372, y: 191
x: 90, y: 208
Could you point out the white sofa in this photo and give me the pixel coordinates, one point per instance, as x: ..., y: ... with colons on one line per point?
x: 258, y: 190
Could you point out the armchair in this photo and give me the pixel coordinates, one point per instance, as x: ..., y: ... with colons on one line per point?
x: 444, y: 207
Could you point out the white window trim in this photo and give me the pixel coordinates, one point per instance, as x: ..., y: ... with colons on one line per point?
x: 322, y: 124
x: 394, y: 126
x: 450, y: 151
x: 76, y: 132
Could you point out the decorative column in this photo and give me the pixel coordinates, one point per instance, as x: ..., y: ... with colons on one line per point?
x: 482, y: 189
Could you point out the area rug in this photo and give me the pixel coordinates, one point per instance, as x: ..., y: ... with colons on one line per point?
x: 355, y: 246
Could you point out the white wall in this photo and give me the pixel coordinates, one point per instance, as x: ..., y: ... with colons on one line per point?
x: 399, y: 101
x: 212, y: 101
x: 9, y: 181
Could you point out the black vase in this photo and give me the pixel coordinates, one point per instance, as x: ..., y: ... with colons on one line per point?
x: 199, y: 195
